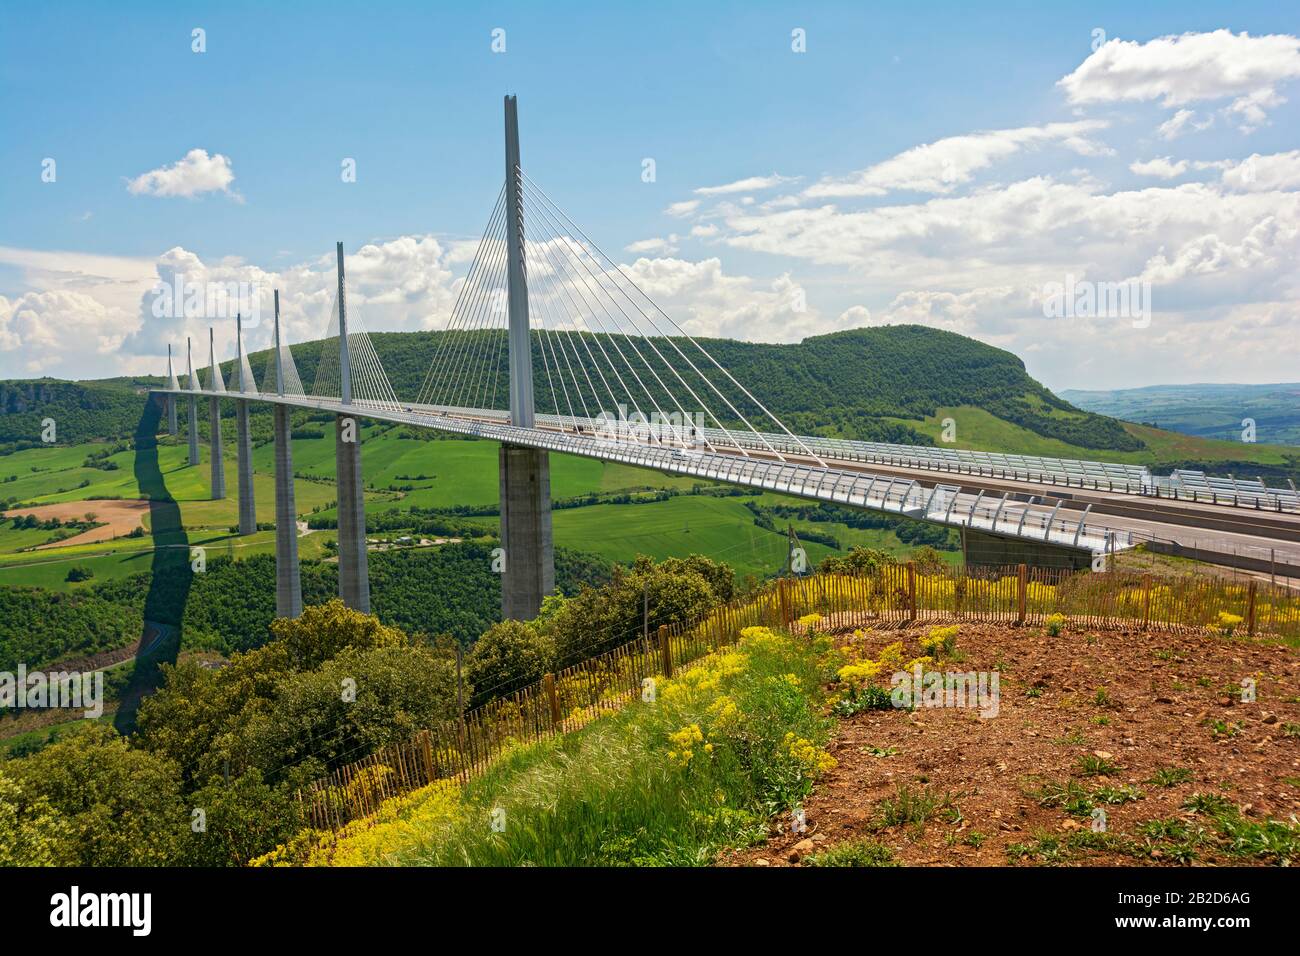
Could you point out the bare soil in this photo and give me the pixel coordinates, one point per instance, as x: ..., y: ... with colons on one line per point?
x: 118, y: 517
x: 1139, y: 701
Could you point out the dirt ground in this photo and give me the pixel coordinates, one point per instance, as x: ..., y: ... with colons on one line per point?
x: 118, y: 517
x: 1137, y: 702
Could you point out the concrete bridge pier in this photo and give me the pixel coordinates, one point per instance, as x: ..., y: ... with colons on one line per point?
x: 354, y: 571
x: 218, y: 470
x: 288, y: 576
x: 244, y: 461
x: 529, y: 573
x: 194, y: 430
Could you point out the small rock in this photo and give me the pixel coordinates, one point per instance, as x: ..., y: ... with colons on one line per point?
x: 762, y: 861
x: 1103, y: 754
x: 1269, y: 718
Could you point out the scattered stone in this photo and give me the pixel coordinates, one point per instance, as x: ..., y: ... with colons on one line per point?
x: 1269, y: 718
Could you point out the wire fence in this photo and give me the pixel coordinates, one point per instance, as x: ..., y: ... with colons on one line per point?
x: 897, y: 595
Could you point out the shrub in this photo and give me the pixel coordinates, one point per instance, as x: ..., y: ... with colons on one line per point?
x: 511, y: 655
x: 862, y: 852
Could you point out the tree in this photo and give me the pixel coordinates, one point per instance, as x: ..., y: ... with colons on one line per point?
x: 116, y: 805
x: 511, y: 655
x: 324, y: 630
x: 31, y: 833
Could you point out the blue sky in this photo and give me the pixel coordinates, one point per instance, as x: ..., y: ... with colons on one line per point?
x: 714, y: 94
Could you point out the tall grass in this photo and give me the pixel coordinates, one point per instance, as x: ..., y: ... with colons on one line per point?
x: 725, y: 744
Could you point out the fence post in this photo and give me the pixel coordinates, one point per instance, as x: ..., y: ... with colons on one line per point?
x: 665, y: 651
x: 1250, y: 609
x: 911, y: 591
x: 783, y: 596
x: 548, y: 685
x: 428, y: 754
x: 1022, y: 593
x: 1146, y: 601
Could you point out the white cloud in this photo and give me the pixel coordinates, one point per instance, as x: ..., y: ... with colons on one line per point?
x: 941, y: 166
x: 39, y: 330
x: 751, y: 184
x: 1193, y: 67
x: 192, y: 175
x: 706, y: 301
x: 657, y: 244
x: 1258, y: 173
x: 683, y: 208
x: 1162, y: 167
x: 1183, y: 121
x: 1249, y: 109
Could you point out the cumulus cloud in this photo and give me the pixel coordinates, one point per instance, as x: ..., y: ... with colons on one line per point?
x: 658, y: 244
x: 683, y: 208
x: 40, y: 329
x: 941, y: 166
x: 194, y: 174
x: 1190, y: 68
x: 1184, y: 121
x: 749, y: 185
x: 1256, y: 173
x: 1162, y: 167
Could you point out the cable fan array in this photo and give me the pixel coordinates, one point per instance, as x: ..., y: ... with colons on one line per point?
x: 604, y: 355
x: 607, y: 360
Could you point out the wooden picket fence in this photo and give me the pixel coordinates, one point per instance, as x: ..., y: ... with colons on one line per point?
x: 896, y: 594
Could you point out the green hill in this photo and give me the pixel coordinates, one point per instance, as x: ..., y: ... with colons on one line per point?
x: 863, y: 383
x: 897, y: 383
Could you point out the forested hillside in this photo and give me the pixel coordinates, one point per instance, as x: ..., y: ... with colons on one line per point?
x: 229, y: 608
x: 848, y: 384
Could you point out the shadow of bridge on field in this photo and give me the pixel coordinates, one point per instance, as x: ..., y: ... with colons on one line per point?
x: 170, y: 577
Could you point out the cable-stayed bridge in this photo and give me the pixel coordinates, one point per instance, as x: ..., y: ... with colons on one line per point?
x: 545, y: 320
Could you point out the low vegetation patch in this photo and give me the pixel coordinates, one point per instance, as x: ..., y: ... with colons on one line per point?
x: 723, y: 746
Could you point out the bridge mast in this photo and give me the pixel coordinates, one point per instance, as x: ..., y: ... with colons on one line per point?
x: 171, y: 399
x: 193, y: 386
x: 528, y: 574
x: 354, y: 571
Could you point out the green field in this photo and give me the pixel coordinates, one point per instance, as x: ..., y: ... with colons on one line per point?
x: 455, y: 472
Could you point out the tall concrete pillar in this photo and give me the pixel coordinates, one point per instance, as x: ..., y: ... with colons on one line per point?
x: 218, y: 468
x: 244, y: 462
x: 194, y: 430
x: 243, y: 439
x: 529, y: 573
x: 288, y: 577
x: 354, y: 571
x: 193, y: 385
x: 215, y: 384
